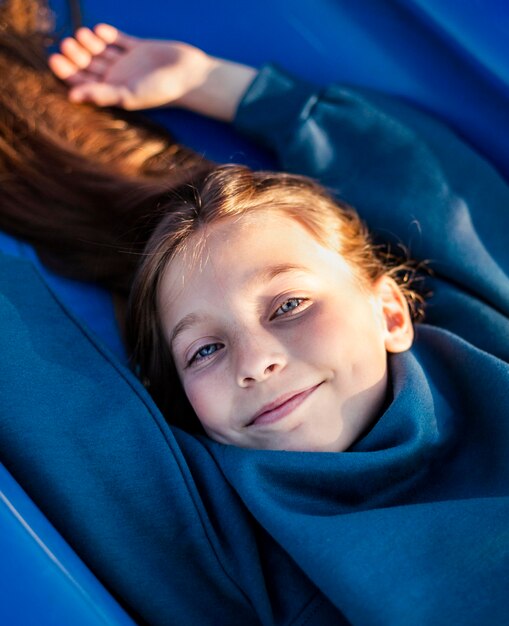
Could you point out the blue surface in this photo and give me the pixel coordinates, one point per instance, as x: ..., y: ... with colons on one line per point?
x: 448, y: 56
x: 43, y: 581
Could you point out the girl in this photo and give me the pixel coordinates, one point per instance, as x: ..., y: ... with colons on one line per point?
x: 257, y: 290
x: 410, y: 524
x: 271, y: 384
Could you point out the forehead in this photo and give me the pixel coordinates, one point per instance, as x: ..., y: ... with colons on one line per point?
x: 236, y: 253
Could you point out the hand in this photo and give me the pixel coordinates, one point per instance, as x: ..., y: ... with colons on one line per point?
x: 110, y: 68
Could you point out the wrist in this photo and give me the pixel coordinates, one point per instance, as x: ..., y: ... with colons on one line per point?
x: 220, y: 90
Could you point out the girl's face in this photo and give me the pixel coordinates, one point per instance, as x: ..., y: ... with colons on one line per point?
x: 277, y: 344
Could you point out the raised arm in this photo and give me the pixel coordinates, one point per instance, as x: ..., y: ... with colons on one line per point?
x: 411, y: 178
x: 109, y: 68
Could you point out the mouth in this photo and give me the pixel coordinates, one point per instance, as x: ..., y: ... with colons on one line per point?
x: 284, y: 405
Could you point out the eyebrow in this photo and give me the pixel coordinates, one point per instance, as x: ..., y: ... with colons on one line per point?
x: 271, y: 271
x: 186, y: 322
x: 266, y: 274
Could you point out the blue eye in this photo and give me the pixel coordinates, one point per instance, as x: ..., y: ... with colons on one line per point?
x: 204, y: 352
x: 290, y: 305
x: 207, y: 350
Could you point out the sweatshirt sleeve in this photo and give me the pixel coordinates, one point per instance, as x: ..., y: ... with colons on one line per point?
x: 412, y: 179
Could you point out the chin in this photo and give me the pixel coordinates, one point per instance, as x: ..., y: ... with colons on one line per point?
x: 306, y: 446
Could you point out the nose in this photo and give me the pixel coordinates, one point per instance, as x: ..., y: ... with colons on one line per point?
x: 258, y: 357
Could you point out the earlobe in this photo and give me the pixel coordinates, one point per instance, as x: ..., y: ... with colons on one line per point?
x: 399, y: 330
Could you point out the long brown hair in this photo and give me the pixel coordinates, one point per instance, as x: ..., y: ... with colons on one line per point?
x: 77, y: 182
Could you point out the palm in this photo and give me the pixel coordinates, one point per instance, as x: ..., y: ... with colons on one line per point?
x: 150, y: 74
x: 110, y: 68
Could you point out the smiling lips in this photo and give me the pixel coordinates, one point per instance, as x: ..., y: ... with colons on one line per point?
x: 281, y: 407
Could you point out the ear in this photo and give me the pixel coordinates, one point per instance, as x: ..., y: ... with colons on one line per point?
x: 398, y: 328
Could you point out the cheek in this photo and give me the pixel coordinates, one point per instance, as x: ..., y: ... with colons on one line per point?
x: 366, y: 346
x: 198, y: 393
x: 323, y: 332
x: 319, y: 336
x: 208, y: 397
x: 345, y: 339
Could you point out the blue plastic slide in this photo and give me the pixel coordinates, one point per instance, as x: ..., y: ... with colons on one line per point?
x: 448, y: 57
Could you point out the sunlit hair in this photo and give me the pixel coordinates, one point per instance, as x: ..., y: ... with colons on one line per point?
x: 232, y: 191
x: 76, y: 181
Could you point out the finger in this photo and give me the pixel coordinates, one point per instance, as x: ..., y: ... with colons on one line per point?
x: 111, y: 35
x: 62, y: 67
x: 90, y: 41
x: 66, y: 70
x: 75, y: 52
x: 101, y: 94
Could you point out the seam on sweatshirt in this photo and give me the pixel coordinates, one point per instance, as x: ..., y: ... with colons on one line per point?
x: 309, y: 611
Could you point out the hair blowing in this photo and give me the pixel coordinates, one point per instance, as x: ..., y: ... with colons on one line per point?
x: 76, y: 181
x: 185, y: 213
